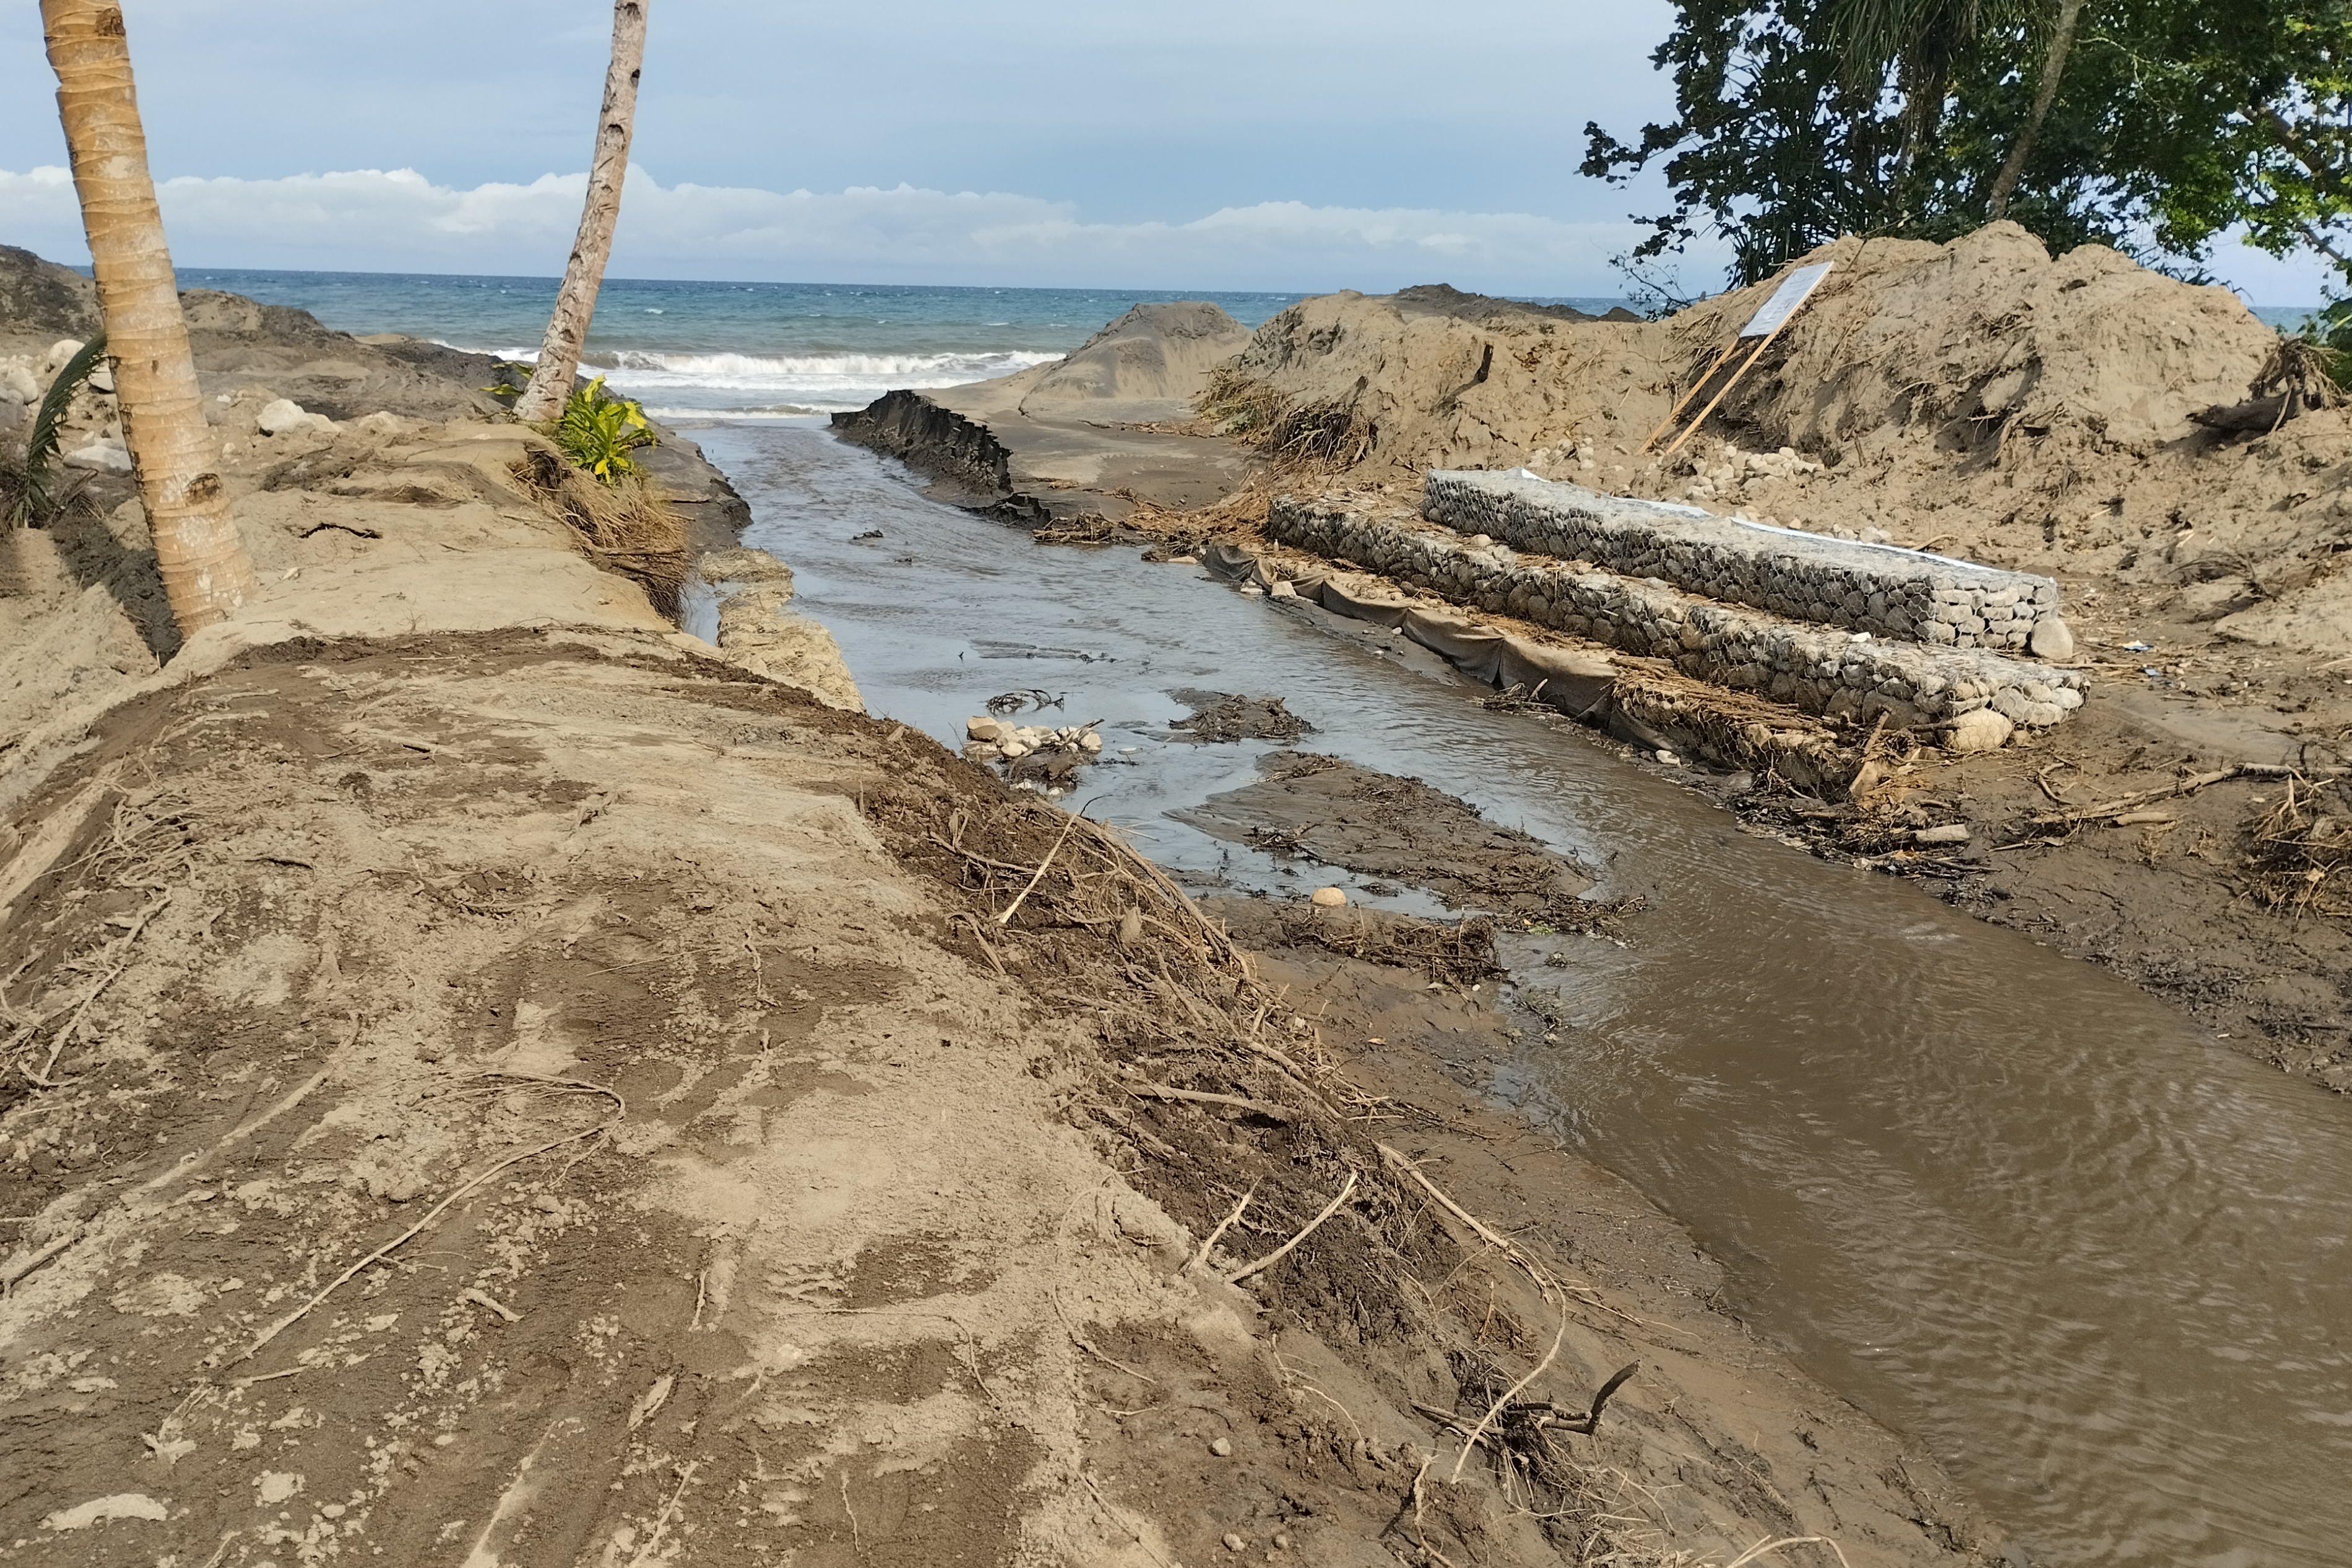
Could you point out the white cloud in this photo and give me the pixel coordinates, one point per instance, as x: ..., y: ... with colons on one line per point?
x: 397, y: 220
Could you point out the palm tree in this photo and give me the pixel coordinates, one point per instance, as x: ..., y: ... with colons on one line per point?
x: 2045, y: 93
x: 207, y: 573
x: 575, y: 302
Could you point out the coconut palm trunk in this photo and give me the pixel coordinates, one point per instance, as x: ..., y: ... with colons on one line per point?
x: 207, y: 573
x: 575, y: 303
x: 2045, y: 93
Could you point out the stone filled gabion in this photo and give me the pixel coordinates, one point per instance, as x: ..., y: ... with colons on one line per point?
x: 1855, y: 587
x: 1812, y: 668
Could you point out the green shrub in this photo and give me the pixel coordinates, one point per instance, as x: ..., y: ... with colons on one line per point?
x: 598, y: 432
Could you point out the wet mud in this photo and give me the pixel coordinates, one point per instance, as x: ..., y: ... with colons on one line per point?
x: 1331, y: 812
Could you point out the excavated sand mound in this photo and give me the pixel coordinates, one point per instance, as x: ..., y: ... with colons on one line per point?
x: 1980, y: 398
x: 1151, y: 361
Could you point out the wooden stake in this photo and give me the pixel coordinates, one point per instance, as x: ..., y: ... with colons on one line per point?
x: 1685, y: 401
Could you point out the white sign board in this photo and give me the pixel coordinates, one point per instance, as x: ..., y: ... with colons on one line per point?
x: 1785, y: 299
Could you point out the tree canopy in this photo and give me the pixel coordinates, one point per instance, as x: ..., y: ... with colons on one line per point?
x: 2153, y: 126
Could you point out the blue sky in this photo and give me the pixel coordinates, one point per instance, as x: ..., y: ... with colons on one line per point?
x: 1226, y: 144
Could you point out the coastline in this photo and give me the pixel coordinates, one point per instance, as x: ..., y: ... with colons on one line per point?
x: 445, y: 849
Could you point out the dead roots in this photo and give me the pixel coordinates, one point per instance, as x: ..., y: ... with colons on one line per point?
x: 1314, y: 433
x: 2300, y: 848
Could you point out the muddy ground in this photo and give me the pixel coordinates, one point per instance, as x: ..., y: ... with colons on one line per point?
x: 547, y: 1096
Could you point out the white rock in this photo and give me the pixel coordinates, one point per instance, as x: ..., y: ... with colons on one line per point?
x: 17, y: 381
x: 983, y: 729
x: 102, y: 378
x: 1090, y: 742
x: 287, y: 417
x: 382, y: 424
x: 1951, y: 833
x: 1252, y: 591
x: 1013, y: 748
x: 1329, y: 898
x: 1982, y: 730
x: 99, y: 1509
x: 99, y: 457
x: 53, y: 361
x: 2052, y: 639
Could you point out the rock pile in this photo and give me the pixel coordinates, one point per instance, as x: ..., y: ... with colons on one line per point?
x: 1041, y: 753
x: 1853, y: 586
x: 1816, y: 669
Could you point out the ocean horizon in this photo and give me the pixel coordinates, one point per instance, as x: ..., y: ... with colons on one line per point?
x: 743, y: 351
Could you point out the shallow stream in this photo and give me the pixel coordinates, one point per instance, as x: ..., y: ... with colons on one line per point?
x: 1994, y: 1196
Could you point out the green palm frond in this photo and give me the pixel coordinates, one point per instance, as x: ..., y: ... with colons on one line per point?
x: 35, y: 492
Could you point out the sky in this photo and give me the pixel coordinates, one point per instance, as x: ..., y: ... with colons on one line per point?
x: 1277, y: 144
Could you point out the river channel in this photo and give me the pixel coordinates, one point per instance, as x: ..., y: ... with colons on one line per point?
x: 1996, y: 1198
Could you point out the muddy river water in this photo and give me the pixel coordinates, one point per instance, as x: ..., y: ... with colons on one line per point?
x: 1994, y: 1196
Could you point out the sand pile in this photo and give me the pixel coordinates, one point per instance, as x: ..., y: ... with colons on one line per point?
x: 1980, y: 398
x: 1150, y: 363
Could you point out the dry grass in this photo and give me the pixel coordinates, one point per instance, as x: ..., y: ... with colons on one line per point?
x: 627, y: 528
x: 1316, y: 434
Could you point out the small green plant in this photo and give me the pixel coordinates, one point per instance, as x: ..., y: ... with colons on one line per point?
x: 2331, y: 329
x: 598, y: 432
x: 37, y: 499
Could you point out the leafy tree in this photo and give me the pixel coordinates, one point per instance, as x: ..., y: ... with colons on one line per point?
x: 2152, y: 125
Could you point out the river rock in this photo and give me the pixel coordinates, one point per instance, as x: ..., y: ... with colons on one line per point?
x: 2050, y: 639
x: 1013, y: 748
x: 99, y: 457
x: 984, y: 729
x: 1950, y: 833
x: 1982, y: 730
x: 1329, y: 898
x: 287, y: 417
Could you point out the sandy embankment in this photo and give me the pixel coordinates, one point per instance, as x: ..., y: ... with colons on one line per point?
x: 493, y: 1080
x: 1981, y: 399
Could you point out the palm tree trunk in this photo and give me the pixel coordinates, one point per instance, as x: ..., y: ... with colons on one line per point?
x: 575, y: 303
x: 2045, y: 93
x: 207, y: 573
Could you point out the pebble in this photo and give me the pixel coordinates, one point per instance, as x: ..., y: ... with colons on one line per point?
x: 1235, y: 1544
x: 1330, y: 898
x: 1222, y: 1447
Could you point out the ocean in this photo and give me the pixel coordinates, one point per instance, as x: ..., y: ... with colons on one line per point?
x: 701, y: 351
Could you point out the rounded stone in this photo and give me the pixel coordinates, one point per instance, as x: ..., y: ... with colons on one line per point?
x: 2050, y: 639
x: 1330, y: 898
